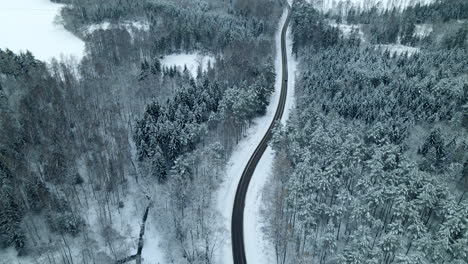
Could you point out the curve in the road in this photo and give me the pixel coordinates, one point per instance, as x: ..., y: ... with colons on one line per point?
x: 237, y: 225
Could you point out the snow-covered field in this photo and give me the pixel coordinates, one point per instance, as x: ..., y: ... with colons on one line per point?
x: 326, y: 5
x: 191, y: 60
x: 29, y: 25
x: 258, y: 250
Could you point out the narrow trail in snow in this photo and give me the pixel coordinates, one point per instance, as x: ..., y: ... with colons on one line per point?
x: 237, y: 224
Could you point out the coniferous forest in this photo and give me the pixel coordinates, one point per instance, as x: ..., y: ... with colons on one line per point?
x: 372, y: 166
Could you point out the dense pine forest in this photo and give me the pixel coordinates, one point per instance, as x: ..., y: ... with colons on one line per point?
x: 373, y: 166
x: 80, y: 142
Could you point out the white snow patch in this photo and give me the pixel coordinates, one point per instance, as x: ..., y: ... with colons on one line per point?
x: 101, y: 26
x: 130, y: 26
x: 347, y: 29
x: 423, y: 30
x: 258, y: 250
x: 398, y: 48
x: 140, y: 25
x: 292, y: 71
x: 327, y: 5
x: 29, y: 25
x: 190, y: 60
x: 153, y: 252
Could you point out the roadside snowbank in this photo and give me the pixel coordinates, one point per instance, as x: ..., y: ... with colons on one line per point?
x: 258, y: 250
x: 29, y: 25
x: 191, y: 60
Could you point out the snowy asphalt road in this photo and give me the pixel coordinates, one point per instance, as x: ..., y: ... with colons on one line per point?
x: 237, y: 227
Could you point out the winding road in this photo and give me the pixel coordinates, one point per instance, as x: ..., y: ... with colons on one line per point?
x: 237, y: 225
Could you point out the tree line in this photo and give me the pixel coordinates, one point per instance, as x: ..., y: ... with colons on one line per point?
x: 395, y: 25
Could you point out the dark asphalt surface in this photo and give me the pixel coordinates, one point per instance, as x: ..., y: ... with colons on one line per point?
x: 237, y: 225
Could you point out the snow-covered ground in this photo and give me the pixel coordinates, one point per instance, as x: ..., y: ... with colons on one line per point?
x: 423, y: 30
x: 123, y: 231
x: 9, y: 255
x: 29, y: 25
x: 129, y: 25
x: 326, y: 5
x: 258, y: 250
x: 126, y: 225
x: 347, y: 29
x: 191, y: 60
x: 101, y: 26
